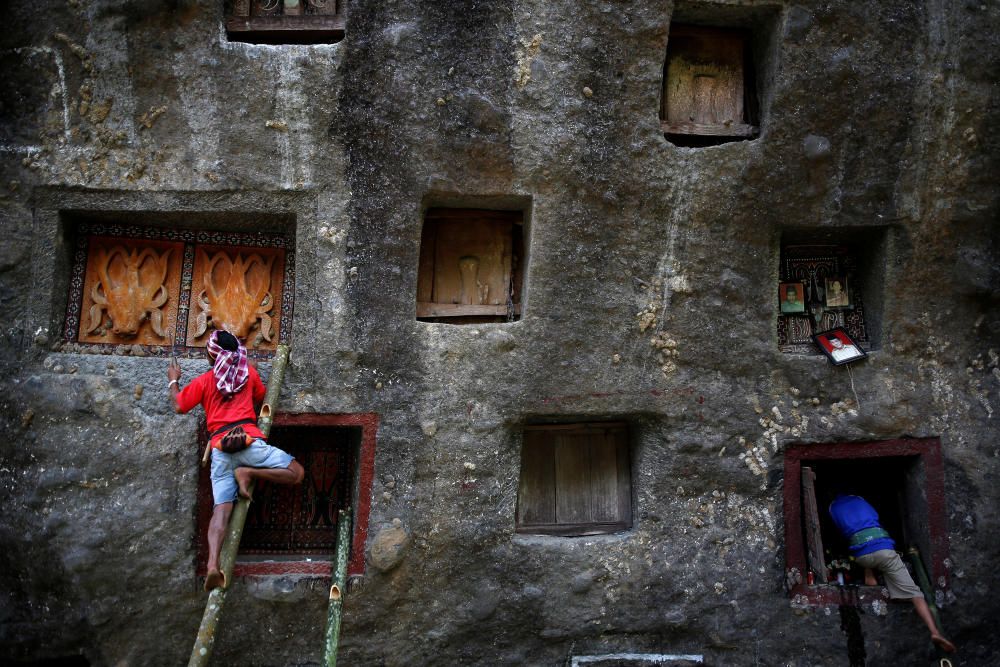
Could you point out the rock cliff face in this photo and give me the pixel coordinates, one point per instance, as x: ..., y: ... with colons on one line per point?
x: 650, y: 278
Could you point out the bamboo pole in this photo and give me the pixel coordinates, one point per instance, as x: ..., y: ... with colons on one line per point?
x: 205, y: 641
x: 337, y: 587
x: 924, y: 582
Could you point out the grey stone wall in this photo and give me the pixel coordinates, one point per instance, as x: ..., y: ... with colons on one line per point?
x: 878, y: 118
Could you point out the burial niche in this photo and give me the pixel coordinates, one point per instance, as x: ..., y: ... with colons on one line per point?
x: 830, y: 280
x: 575, y: 479
x: 284, y: 21
x: 709, y: 95
x: 470, y: 266
x: 902, y: 479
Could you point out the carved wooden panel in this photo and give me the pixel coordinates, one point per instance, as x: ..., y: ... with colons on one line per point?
x: 134, y: 287
x: 237, y: 289
x: 469, y: 264
x: 303, y: 518
x: 705, y: 83
x: 130, y: 291
x: 285, y: 21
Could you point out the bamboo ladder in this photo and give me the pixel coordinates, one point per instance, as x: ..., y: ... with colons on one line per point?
x: 205, y: 641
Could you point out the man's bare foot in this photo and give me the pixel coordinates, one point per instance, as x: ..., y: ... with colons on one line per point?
x: 243, y: 481
x: 943, y: 643
x: 215, y: 579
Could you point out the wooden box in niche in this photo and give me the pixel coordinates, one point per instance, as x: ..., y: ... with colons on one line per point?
x: 239, y: 289
x: 470, y: 264
x: 707, y: 83
x: 131, y: 291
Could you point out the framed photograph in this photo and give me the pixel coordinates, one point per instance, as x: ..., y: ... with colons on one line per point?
x: 790, y: 298
x: 838, y: 346
x: 837, y: 294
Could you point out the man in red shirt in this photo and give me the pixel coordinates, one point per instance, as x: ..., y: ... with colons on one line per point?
x: 229, y: 393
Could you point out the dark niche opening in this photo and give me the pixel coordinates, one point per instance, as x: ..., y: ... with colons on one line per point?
x: 901, y: 479
x: 293, y: 529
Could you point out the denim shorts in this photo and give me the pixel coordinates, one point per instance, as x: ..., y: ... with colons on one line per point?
x: 258, y: 455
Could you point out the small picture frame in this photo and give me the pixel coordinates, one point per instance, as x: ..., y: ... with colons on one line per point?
x: 790, y: 298
x: 837, y: 294
x: 838, y: 346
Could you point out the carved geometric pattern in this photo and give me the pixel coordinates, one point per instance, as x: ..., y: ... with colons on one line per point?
x: 133, y: 255
x: 811, y: 265
x: 303, y: 519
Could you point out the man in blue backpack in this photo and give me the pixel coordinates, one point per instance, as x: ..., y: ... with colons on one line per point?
x: 873, y: 549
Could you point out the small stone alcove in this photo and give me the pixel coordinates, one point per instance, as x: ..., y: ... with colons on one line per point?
x: 284, y: 21
x: 293, y: 529
x: 714, y: 73
x: 903, y: 479
x: 471, y: 266
x: 830, y: 278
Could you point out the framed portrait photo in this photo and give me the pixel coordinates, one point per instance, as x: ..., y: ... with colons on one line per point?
x: 837, y: 294
x: 838, y: 346
x: 791, y: 298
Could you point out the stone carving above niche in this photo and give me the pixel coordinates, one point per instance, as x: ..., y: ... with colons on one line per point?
x: 158, y: 291
x: 239, y: 290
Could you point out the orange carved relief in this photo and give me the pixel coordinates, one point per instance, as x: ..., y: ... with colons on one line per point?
x: 130, y: 291
x: 239, y: 290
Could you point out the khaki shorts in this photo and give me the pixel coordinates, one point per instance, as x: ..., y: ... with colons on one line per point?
x: 897, y: 577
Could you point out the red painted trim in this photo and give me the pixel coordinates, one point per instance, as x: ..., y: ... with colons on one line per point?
x: 368, y: 422
x: 929, y: 451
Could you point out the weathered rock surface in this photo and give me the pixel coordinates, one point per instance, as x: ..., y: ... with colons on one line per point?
x: 876, y: 116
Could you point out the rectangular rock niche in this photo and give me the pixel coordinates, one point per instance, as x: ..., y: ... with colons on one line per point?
x: 903, y: 480
x: 293, y: 529
x: 711, y: 77
x: 830, y: 279
x: 161, y: 290
x: 284, y: 21
x: 575, y: 479
x: 471, y: 266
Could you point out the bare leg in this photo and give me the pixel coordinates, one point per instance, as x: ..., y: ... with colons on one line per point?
x: 293, y: 474
x: 870, y: 579
x: 216, y: 532
x: 924, y: 612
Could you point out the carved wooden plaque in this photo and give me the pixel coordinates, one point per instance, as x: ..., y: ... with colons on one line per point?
x: 144, y: 287
x: 469, y: 265
x: 704, y: 82
x: 130, y: 291
x: 239, y: 289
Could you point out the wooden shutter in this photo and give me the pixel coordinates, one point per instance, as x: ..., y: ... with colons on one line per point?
x: 575, y: 480
x: 704, y: 83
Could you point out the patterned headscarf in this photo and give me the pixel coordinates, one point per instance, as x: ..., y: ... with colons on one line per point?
x: 230, y: 367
